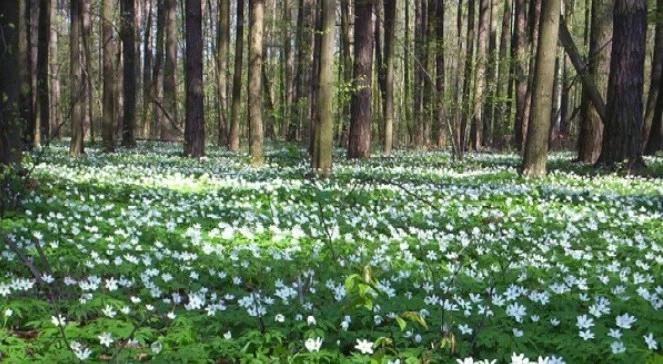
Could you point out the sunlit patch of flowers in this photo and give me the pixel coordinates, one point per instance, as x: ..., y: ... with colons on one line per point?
x: 151, y: 256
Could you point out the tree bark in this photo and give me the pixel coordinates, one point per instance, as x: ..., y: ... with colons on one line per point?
x: 76, y: 89
x: 388, y: 105
x: 622, y: 137
x: 10, y: 123
x: 148, y: 96
x: 194, y: 127
x: 503, y: 102
x: 591, y: 129
x: 467, y: 78
x: 233, y: 143
x: 440, y: 110
x: 43, y: 90
x: 170, y: 72
x: 360, y: 110
x: 324, y: 132
x: 157, y: 73
x: 54, y: 67
x: 655, y: 78
x: 480, y: 75
x: 129, y: 79
x: 256, y: 20
x: 536, y: 146
x: 108, y: 104
x: 25, y: 74
x: 222, y: 45
x: 521, y: 60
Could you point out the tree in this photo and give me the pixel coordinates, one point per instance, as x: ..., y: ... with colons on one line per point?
x: 520, y: 53
x: 26, y: 105
x: 194, y: 126
x: 480, y: 75
x: 622, y: 134
x: 467, y: 78
x: 440, y: 112
x: 652, y: 122
x: 256, y: 20
x: 389, y: 54
x: 54, y: 67
x: 222, y: 45
x: 600, y: 44
x: 43, y: 90
x: 10, y: 124
x: 76, y: 89
x: 536, y: 146
x: 157, y: 72
x: 129, y: 78
x: 360, y: 109
x: 170, y: 72
x: 233, y: 142
x: 108, y: 102
x: 324, y: 131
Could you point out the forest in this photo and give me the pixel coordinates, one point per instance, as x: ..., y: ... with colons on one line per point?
x: 331, y: 181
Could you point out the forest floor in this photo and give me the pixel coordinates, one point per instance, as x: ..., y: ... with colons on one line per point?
x: 148, y: 256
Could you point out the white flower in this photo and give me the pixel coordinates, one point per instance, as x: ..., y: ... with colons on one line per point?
x: 279, y: 318
x: 517, y: 332
x: 519, y: 359
x: 465, y: 329
x: 59, y: 320
x: 625, y: 321
x: 615, y: 333
x: 228, y: 335
x: 171, y: 315
x: 310, y: 320
x: 109, y: 311
x: 106, y: 339
x: 9, y: 312
x: 586, y: 334
x: 313, y: 345
x: 81, y: 352
x: 651, y: 342
x: 617, y: 347
x: 584, y: 322
x: 156, y: 347
x: 364, y: 346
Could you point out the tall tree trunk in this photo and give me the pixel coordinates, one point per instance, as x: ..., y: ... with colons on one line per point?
x: 476, y: 136
x: 503, y: 102
x: 88, y: 119
x: 76, y: 88
x: 194, y: 125
x: 313, y: 85
x: 536, y: 146
x: 157, y: 73
x: 129, y: 80
x: 168, y: 127
x: 655, y: 77
x: 440, y: 111
x: 346, y: 65
x: 10, y: 123
x: 108, y: 108
x: 25, y: 74
x: 324, y: 131
x: 288, y: 62
x: 43, y: 90
x: 591, y: 129
x: 655, y: 141
x: 233, y: 143
x: 256, y: 21
x: 622, y: 136
x: 390, y: 7
x: 222, y: 48
x: 406, y: 71
x: 302, y: 70
x: 467, y: 78
x: 360, y: 111
x: 54, y: 67
x: 521, y: 56
x: 419, y: 74
x: 148, y: 96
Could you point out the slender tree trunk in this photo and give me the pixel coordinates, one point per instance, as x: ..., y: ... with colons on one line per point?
x: 390, y: 7
x: 346, y: 62
x: 622, y: 137
x: 54, y: 67
x: 194, y: 127
x: 25, y: 74
x: 88, y: 117
x: 476, y: 136
x: 324, y: 132
x: 521, y: 61
x: 655, y: 76
x: 256, y: 19
x: 76, y: 88
x: 591, y: 129
x: 43, y: 90
x: 467, y: 78
x: 440, y: 110
x: 233, y: 143
x: 108, y: 108
x: 148, y: 96
x: 503, y: 102
x: 10, y: 123
x: 360, y: 114
x: 419, y: 74
x: 536, y: 146
x: 157, y: 74
x: 313, y: 85
x: 222, y: 48
x: 655, y: 141
x: 129, y: 80
x: 288, y: 65
x: 168, y: 127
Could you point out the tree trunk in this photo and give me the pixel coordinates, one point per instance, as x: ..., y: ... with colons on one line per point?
x: 222, y: 48
x: 388, y: 104
x: 346, y: 62
x: 25, y: 74
x: 655, y: 76
x: 168, y: 127
x: 440, y: 111
x: 360, y: 110
x: 591, y: 129
x: 233, y: 143
x: 622, y: 137
x: 521, y: 60
x: 536, y: 146
x: 148, y: 96
x: 655, y: 140
x: 88, y: 119
x: 129, y: 79
x: 324, y: 132
x: 43, y: 90
x: 256, y: 21
x: 480, y: 75
x: 108, y: 107
x: 503, y: 102
x: 467, y: 78
x: 10, y: 123
x: 76, y: 89
x: 194, y: 127
x: 54, y: 66
x: 157, y: 73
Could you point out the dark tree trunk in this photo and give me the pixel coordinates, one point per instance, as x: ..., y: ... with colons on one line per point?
x: 503, y: 102
x: 233, y: 143
x: 655, y: 82
x: 467, y: 78
x: 256, y: 21
x: 388, y: 105
x: 194, y: 127
x: 346, y: 62
x: 440, y: 112
x: 25, y: 74
x: 76, y: 89
x: 43, y: 90
x: 476, y: 136
x: 108, y: 105
x: 222, y: 48
x: 622, y: 137
x: 360, y: 110
x: 129, y: 79
x: 521, y: 60
x: 54, y: 67
x: 147, y: 116
x: 168, y: 127
x: 157, y: 72
x: 10, y: 124
x: 591, y: 128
